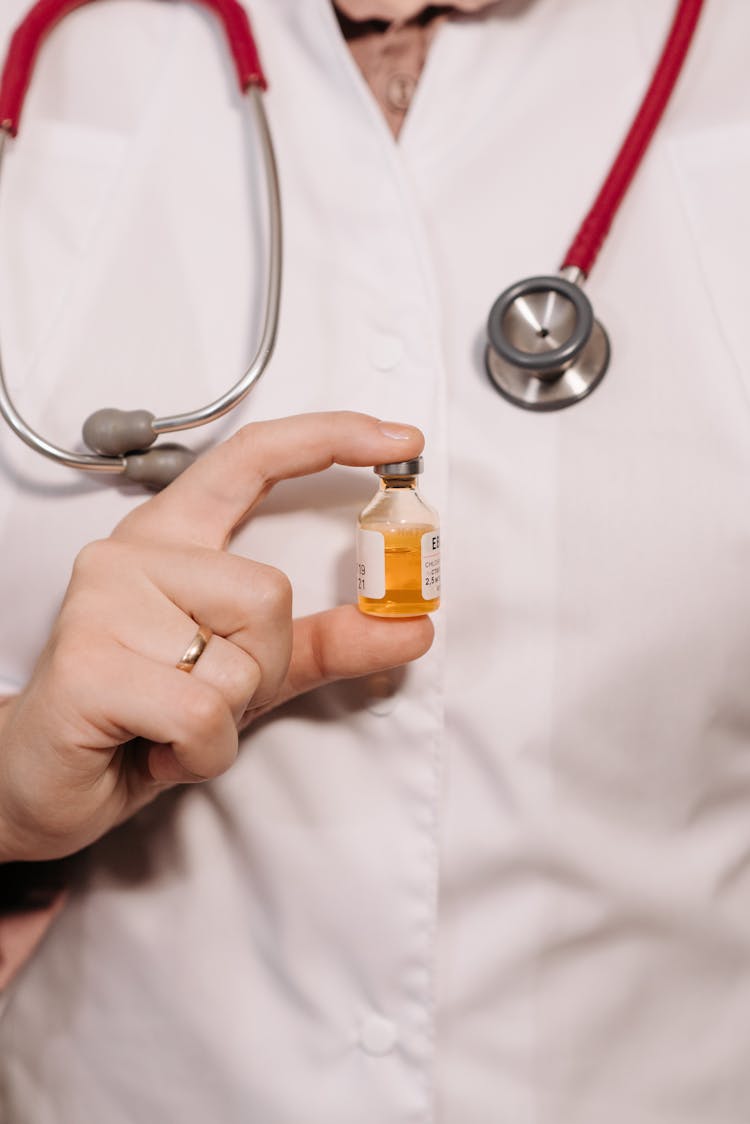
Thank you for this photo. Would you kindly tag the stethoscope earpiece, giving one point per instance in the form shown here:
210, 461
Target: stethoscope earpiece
157, 467
545, 350
112, 433
128, 434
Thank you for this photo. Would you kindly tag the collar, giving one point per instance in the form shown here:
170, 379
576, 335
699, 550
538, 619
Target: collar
399, 10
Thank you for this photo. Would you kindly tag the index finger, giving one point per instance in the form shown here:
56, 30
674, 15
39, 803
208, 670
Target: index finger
218, 491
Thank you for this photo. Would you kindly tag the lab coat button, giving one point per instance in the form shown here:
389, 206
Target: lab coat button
377, 1035
385, 351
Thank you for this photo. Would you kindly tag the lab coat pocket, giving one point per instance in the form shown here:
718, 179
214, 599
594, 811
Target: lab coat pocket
713, 172
57, 180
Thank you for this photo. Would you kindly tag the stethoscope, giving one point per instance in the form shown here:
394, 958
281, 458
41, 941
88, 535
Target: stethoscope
546, 350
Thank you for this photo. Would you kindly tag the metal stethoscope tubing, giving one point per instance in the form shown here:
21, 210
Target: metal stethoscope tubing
121, 440
545, 348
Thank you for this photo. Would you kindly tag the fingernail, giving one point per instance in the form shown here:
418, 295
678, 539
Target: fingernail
395, 431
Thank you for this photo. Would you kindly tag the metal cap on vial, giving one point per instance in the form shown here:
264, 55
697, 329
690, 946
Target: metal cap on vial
400, 468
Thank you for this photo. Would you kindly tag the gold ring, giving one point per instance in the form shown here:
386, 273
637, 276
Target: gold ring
195, 649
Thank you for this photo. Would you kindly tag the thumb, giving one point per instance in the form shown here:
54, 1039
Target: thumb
344, 643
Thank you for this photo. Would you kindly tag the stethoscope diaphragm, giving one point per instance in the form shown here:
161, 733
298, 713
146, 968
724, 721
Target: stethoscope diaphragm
545, 350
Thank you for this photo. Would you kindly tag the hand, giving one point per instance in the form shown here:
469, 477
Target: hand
107, 721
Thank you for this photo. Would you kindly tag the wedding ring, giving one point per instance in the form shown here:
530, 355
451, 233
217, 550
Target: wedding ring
195, 649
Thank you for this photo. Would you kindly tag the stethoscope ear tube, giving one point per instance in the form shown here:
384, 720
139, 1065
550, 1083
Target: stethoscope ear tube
583, 250
34, 28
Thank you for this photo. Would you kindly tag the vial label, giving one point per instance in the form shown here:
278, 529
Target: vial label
431, 565
370, 564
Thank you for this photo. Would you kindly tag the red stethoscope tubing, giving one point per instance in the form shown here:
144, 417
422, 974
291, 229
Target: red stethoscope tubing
31, 32
595, 227
583, 251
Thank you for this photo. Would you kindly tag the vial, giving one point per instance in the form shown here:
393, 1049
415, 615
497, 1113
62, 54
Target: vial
398, 547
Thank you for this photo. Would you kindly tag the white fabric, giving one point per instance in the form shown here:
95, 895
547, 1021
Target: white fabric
511, 883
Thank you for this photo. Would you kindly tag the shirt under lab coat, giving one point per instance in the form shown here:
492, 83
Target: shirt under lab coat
511, 882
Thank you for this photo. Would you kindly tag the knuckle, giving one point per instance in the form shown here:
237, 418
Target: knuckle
203, 711
209, 734
93, 559
244, 437
272, 590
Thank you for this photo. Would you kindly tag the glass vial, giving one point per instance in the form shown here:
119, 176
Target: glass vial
398, 547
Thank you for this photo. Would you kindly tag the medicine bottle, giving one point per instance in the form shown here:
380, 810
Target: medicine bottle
398, 547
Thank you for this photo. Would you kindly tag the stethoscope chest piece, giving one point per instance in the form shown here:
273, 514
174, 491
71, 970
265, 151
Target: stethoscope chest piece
545, 350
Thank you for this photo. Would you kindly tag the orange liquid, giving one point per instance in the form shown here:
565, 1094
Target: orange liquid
403, 576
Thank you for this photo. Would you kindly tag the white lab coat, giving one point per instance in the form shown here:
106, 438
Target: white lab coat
512, 882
